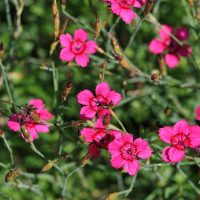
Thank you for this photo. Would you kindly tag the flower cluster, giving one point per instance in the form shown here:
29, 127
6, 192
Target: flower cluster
31, 121
124, 8
78, 48
168, 46
180, 137
124, 150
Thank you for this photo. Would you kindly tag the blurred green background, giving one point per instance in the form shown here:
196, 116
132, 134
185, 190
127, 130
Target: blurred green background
142, 110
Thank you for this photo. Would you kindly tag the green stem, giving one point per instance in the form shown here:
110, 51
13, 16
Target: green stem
118, 120
36, 150
6, 82
9, 150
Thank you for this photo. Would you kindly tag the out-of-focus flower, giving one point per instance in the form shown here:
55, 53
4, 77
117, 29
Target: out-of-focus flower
125, 153
180, 136
78, 48
171, 49
124, 8
197, 113
31, 121
99, 104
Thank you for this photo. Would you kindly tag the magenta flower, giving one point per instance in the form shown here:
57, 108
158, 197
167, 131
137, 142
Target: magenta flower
125, 153
124, 8
180, 136
99, 134
167, 46
197, 113
99, 104
78, 48
31, 121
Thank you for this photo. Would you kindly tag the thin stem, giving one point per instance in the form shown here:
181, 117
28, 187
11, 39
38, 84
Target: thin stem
8, 16
36, 150
118, 120
9, 150
66, 180
137, 27
6, 82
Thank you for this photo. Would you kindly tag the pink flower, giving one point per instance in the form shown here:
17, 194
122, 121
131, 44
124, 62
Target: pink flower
31, 121
99, 134
197, 113
124, 8
180, 136
99, 104
78, 48
166, 45
125, 153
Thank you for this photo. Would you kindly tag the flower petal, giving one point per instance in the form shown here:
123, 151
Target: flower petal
114, 97
41, 128
132, 167
66, 55
166, 133
165, 31
91, 47
127, 15
88, 134
139, 3
185, 50
171, 60
80, 34
175, 155
117, 161
102, 89
182, 33
197, 113
82, 60
143, 149
84, 97
87, 113
156, 46
181, 127
65, 40
13, 124
194, 136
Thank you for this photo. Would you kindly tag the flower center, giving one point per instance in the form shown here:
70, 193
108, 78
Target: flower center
173, 46
78, 47
180, 141
128, 151
125, 4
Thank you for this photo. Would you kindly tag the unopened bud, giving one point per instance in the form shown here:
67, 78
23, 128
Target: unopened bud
1, 51
155, 76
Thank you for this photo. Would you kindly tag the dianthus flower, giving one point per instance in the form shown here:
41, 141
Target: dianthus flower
31, 121
180, 137
99, 104
197, 113
125, 153
98, 137
171, 49
78, 48
124, 8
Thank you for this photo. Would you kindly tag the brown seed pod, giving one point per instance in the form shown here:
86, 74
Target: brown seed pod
67, 91
12, 174
49, 165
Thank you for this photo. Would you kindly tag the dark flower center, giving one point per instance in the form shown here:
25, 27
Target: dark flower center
128, 151
180, 141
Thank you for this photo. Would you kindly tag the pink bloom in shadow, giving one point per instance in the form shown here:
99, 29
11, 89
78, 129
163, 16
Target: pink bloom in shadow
99, 134
31, 120
170, 48
125, 153
197, 113
180, 136
98, 104
98, 137
124, 8
78, 48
